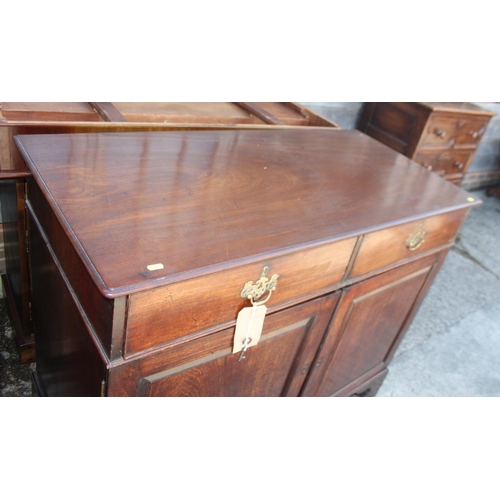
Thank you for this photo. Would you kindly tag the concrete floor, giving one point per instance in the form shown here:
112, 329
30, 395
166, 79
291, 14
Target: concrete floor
15, 379
452, 348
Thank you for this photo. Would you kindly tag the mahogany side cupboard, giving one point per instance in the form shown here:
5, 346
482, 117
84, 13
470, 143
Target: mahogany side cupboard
441, 136
144, 245
83, 117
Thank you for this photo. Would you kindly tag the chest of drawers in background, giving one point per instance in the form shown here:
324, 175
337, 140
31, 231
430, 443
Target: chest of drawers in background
443, 137
142, 243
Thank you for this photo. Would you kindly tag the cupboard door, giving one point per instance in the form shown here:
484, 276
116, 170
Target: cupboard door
276, 366
371, 318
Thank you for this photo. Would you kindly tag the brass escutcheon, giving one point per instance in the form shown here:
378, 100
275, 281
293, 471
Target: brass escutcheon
254, 291
415, 240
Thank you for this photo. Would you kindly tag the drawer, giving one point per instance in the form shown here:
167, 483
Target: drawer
211, 302
389, 246
447, 162
446, 132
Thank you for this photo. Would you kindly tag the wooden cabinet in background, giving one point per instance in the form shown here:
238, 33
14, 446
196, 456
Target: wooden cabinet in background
141, 244
441, 136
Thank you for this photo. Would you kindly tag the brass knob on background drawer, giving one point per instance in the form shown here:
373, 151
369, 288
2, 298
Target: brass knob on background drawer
458, 164
254, 291
415, 240
473, 134
428, 166
440, 132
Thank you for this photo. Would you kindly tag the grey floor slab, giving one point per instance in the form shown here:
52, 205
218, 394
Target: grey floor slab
15, 379
464, 361
461, 288
480, 235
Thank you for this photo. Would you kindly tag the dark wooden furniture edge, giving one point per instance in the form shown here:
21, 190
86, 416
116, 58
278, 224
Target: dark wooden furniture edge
493, 191
13, 174
108, 112
37, 389
314, 119
371, 386
259, 112
25, 343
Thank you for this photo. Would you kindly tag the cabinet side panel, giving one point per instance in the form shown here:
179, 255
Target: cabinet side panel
68, 361
98, 308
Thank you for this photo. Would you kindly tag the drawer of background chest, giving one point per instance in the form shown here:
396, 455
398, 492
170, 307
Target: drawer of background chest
446, 162
383, 248
211, 302
446, 132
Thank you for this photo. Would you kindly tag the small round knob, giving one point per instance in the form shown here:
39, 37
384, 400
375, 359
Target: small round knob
428, 166
440, 132
474, 134
458, 164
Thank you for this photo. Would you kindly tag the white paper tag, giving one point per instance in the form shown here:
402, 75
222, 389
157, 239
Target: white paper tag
249, 325
154, 267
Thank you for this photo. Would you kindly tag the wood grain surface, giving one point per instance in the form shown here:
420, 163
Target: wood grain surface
197, 201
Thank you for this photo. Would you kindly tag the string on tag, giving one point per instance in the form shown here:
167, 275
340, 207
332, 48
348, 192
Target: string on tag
249, 325
248, 339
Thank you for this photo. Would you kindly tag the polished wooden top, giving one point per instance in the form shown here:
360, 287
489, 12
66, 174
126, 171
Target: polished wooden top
199, 201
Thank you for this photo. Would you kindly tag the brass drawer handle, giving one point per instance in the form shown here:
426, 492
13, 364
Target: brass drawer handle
440, 133
475, 134
458, 164
415, 240
254, 291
